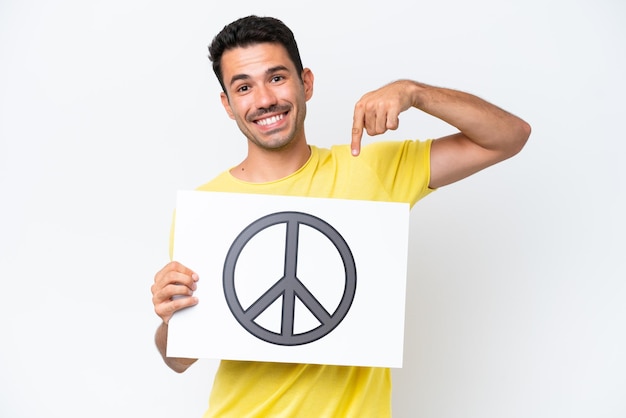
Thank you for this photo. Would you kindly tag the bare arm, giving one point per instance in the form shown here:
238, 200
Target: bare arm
179, 365
487, 134
172, 291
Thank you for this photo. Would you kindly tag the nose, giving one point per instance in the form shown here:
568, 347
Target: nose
264, 97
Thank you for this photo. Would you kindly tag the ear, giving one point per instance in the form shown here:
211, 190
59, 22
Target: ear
226, 105
307, 79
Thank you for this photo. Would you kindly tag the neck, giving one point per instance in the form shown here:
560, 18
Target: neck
262, 166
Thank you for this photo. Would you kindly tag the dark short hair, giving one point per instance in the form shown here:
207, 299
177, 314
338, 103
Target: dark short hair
252, 30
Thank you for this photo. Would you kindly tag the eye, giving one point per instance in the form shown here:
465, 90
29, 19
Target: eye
242, 89
277, 78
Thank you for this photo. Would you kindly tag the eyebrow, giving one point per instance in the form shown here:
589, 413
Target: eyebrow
270, 70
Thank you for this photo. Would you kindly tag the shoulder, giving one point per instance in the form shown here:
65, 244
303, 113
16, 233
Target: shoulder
217, 183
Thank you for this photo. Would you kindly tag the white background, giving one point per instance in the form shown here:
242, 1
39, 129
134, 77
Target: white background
517, 276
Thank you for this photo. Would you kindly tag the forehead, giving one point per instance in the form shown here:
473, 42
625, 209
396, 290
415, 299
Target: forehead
254, 60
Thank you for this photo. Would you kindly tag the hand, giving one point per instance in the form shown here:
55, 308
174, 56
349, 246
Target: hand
378, 110
173, 290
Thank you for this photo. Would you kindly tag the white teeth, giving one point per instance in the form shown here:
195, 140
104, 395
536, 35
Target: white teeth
270, 120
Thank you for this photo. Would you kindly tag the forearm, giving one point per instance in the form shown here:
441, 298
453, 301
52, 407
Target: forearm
179, 365
481, 122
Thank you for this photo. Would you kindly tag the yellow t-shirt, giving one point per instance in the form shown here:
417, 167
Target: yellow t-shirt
384, 171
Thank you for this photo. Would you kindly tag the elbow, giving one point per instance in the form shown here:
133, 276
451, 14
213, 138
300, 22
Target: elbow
179, 365
178, 368
526, 130
520, 137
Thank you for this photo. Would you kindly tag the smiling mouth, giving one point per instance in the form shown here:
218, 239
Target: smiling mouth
270, 120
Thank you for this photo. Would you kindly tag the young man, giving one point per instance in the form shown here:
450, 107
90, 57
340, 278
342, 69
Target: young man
265, 90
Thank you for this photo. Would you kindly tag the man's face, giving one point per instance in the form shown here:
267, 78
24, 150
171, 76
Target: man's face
265, 95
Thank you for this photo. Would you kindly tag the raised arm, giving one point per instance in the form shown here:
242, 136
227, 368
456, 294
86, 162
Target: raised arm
487, 134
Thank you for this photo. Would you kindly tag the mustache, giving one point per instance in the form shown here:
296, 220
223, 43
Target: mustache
264, 111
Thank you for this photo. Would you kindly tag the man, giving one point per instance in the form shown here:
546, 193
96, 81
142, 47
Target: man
265, 90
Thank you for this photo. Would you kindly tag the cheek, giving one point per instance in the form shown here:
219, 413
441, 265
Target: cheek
240, 107
233, 111
236, 107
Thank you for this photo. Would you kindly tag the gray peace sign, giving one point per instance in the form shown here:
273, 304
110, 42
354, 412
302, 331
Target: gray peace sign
289, 286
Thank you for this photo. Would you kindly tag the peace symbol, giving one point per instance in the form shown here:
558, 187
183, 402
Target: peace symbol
289, 287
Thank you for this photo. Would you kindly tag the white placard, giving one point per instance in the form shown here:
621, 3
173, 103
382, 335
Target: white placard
292, 279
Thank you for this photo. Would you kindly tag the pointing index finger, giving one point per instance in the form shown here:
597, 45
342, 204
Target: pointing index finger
357, 130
